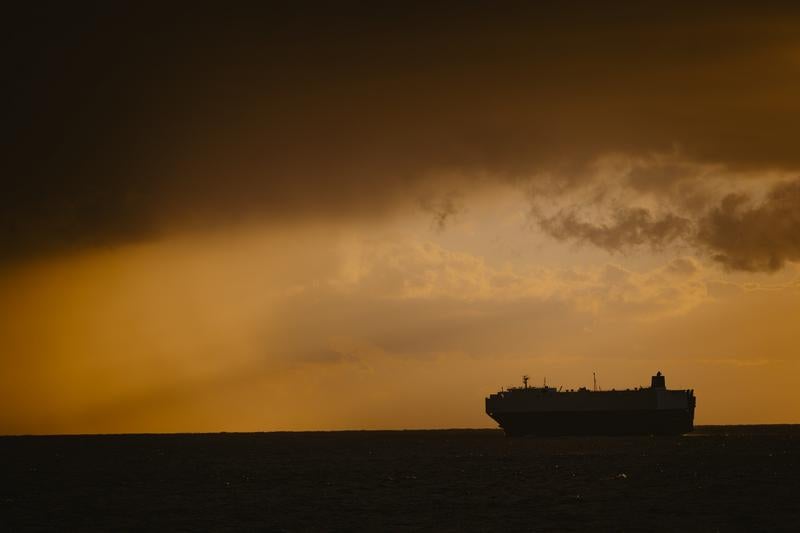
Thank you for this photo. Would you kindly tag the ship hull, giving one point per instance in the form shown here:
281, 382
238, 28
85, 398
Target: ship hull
624, 422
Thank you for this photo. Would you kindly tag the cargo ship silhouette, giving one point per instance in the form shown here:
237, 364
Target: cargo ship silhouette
653, 410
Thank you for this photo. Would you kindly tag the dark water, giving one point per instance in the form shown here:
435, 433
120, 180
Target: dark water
744, 478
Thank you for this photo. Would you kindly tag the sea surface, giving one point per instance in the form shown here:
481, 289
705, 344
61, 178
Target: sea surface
720, 478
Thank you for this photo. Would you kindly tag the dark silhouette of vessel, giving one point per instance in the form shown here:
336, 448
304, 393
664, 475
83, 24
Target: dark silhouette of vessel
548, 411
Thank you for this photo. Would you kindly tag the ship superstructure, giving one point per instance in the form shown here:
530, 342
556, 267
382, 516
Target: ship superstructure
529, 410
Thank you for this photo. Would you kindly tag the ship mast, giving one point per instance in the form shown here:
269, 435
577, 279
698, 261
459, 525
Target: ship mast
594, 377
525, 379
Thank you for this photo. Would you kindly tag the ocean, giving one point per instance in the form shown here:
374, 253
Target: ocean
719, 478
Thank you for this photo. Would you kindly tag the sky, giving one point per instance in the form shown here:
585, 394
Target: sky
318, 217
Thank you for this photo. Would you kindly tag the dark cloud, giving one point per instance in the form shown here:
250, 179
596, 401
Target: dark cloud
442, 208
760, 237
740, 231
121, 121
630, 226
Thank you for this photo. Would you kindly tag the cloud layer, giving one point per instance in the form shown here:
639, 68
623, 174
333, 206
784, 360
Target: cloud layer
758, 236
748, 223
127, 121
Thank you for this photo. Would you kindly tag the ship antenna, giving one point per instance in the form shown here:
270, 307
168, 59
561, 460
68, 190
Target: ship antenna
525, 379
594, 377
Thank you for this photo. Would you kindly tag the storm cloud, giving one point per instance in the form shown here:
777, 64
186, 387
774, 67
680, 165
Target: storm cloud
747, 231
629, 227
760, 237
125, 121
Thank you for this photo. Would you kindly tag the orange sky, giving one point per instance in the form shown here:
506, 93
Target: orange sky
393, 325
286, 218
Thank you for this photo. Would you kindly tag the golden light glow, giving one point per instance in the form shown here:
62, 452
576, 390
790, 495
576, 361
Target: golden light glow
399, 325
